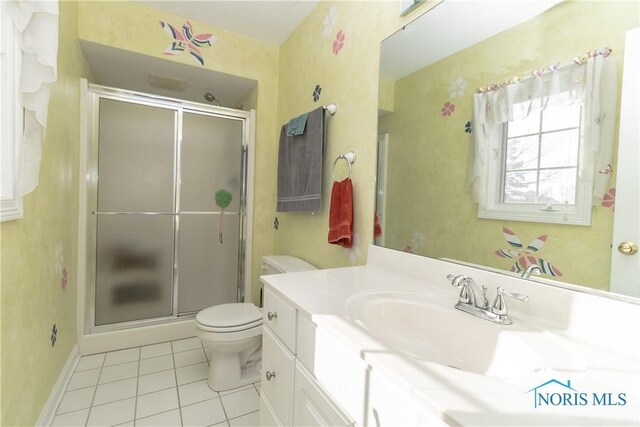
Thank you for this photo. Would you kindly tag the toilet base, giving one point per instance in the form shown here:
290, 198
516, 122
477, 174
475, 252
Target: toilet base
220, 380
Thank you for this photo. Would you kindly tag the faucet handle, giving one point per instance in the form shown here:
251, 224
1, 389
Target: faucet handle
456, 280
499, 305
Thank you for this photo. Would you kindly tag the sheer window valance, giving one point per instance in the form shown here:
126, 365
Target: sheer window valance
592, 84
36, 29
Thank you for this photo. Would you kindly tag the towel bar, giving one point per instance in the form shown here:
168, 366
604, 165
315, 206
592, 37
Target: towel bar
350, 157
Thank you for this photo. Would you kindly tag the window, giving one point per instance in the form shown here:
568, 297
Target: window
533, 174
11, 116
542, 144
540, 158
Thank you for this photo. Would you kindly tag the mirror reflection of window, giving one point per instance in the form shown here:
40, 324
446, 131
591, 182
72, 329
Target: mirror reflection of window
540, 157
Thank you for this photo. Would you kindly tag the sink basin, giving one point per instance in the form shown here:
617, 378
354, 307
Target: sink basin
427, 327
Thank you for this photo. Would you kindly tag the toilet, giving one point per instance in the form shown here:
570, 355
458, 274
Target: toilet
233, 332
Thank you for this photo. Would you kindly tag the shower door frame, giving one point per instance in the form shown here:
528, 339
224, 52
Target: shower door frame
92, 94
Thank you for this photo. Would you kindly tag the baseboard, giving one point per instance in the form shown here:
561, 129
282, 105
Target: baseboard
49, 409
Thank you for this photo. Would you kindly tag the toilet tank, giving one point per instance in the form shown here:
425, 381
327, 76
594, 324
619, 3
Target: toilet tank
276, 264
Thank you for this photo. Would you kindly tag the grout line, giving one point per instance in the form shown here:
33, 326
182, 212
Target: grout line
86, 423
244, 415
175, 375
135, 405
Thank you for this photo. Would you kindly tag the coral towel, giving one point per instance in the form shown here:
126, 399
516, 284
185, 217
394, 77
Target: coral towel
341, 214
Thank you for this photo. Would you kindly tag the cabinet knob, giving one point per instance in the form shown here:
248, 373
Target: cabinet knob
272, 316
270, 375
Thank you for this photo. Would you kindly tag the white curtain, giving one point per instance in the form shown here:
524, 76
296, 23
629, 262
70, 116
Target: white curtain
37, 26
592, 84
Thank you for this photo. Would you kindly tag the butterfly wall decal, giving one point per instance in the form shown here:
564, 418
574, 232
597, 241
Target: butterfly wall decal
185, 40
524, 256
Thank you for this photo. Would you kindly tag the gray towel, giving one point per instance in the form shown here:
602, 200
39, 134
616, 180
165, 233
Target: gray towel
300, 166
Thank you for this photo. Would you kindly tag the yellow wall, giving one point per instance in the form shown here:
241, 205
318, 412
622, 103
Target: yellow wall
32, 296
350, 80
430, 188
133, 27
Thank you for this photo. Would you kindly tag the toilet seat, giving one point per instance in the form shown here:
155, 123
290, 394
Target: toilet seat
233, 317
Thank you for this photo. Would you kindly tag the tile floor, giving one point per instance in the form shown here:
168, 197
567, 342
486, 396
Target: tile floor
157, 385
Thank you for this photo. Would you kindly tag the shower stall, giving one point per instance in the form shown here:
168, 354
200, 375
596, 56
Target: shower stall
166, 208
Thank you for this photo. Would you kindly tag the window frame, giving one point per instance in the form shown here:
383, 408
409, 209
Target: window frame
495, 208
11, 117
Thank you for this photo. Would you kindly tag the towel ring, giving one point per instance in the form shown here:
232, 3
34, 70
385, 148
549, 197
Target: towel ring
350, 157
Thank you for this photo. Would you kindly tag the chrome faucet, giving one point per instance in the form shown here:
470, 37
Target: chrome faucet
473, 300
532, 269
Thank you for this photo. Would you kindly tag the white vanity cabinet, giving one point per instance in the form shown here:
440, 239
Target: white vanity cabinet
290, 396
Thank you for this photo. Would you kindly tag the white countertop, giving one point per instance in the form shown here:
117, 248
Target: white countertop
463, 398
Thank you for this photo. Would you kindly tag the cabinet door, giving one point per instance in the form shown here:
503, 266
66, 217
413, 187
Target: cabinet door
311, 407
277, 376
268, 417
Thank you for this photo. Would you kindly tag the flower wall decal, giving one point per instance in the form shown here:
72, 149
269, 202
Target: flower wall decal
64, 279
609, 199
457, 87
329, 21
448, 108
338, 43
418, 239
468, 127
59, 258
276, 223
525, 256
185, 40
54, 335
316, 93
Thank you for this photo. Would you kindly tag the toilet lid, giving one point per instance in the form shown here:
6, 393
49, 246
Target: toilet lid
230, 316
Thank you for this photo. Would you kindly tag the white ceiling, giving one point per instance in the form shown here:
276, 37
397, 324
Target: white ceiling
444, 31
269, 21
128, 70
265, 20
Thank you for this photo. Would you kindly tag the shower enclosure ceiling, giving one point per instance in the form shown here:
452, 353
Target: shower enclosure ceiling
157, 251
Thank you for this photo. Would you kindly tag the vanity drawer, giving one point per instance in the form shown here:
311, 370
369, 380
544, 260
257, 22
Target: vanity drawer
280, 317
278, 389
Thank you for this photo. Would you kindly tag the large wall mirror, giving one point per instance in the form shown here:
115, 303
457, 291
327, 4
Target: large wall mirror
445, 81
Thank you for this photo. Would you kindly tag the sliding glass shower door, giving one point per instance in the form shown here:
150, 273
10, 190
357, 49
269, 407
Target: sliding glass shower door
165, 244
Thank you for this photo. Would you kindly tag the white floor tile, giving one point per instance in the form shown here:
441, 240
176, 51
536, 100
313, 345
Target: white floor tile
171, 418
248, 420
156, 364
191, 373
157, 381
127, 424
122, 356
90, 362
118, 390
224, 423
83, 379
155, 350
241, 403
118, 372
77, 418
186, 344
203, 413
76, 399
195, 392
189, 357
157, 402
235, 390
112, 413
